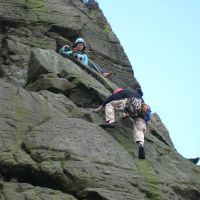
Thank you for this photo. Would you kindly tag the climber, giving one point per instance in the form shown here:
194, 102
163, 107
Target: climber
131, 103
78, 53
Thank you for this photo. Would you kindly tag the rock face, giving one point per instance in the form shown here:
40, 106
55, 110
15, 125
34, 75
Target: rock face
51, 146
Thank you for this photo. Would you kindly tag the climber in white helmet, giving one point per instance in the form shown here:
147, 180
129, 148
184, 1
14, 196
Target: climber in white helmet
78, 53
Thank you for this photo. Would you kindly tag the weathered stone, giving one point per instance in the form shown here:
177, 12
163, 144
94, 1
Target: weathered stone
14, 191
31, 38
98, 41
16, 60
63, 104
15, 75
93, 146
91, 24
51, 83
20, 112
17, 48
42, 11
47, 61
55, 147
159, 130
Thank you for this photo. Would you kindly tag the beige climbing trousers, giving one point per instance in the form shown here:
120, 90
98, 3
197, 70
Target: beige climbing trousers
139, 125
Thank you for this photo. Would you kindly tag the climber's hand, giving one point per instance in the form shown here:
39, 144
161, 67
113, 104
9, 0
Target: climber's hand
99, 109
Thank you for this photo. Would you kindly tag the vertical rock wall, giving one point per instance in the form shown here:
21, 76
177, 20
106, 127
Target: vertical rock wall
51, 145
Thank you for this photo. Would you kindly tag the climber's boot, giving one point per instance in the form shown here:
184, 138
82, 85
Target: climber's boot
141, 153
107, 125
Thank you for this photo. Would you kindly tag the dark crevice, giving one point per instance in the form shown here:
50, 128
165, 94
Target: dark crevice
68, 33
92, 195
187, 193
5, 53
5, 24
150, 141
2, 28
84, 97
2, 57
27, 174
56, 91
159, 137
11, 125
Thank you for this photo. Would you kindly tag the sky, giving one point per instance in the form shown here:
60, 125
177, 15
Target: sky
162, 41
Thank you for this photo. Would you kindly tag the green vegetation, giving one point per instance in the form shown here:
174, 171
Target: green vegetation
35, 4
106, 28
151, 187
124, 142
36, 8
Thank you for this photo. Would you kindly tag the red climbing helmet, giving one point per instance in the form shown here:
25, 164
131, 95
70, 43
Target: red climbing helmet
117, 90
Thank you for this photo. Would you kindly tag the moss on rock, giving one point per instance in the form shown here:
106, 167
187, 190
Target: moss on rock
151, 187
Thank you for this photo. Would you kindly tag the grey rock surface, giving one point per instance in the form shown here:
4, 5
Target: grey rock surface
52, 146
23, 191
35, 23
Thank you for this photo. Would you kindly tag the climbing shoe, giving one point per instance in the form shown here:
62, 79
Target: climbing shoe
107, 125
141, 153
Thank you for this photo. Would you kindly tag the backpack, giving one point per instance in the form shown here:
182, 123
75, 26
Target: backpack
146, 112
136, 108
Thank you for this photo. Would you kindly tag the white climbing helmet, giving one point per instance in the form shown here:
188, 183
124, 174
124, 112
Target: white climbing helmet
79, 40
